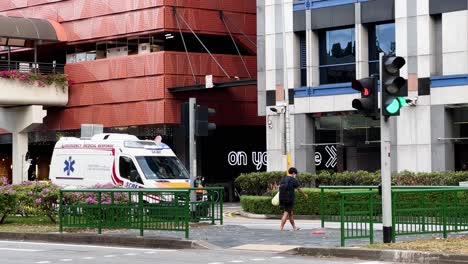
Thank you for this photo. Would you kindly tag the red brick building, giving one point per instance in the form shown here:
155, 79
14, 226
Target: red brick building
125, 56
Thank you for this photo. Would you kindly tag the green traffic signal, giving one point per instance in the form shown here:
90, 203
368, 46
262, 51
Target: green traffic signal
395, 105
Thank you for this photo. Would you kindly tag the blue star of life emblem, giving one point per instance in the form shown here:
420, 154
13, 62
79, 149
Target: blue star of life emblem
69, 166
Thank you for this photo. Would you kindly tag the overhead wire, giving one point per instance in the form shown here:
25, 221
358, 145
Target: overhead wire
221, 15
201, 42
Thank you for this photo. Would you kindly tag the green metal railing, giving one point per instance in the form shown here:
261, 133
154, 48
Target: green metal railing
415, 212
142, 209
329, 209
357, 215
208, 205
426, 210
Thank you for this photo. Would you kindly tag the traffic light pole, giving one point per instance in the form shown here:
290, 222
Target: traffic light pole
386, 169
192, 147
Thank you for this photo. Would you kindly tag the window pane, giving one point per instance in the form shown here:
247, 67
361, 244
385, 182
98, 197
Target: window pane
373, 67
337, 74
381, 39
338, 47
385, 38
303, 77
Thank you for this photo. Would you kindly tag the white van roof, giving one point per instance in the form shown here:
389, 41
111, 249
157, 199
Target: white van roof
125, 142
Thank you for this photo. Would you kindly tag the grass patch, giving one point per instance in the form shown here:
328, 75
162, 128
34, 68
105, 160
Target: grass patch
450, 245
33, 224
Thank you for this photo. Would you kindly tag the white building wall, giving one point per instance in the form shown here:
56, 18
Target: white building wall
455, 42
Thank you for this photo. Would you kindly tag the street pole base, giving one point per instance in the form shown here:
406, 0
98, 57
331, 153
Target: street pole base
387, 234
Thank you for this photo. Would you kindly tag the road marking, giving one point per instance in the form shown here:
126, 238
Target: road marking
236, 261
130, 254
21, 249
81, 246
215, 263
66, 260
43, 262
258, 259
262, 247
110, 256
87, 258
277, 257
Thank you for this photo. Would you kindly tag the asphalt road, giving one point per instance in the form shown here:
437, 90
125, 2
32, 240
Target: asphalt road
12, 252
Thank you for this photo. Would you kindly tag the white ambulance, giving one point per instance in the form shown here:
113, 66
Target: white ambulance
120, 159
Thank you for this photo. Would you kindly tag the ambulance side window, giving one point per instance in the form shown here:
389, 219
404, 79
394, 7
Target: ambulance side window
128, 170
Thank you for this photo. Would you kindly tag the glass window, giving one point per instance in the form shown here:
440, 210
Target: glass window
158, 167
128, 170
381, 39
303, 58
337, 56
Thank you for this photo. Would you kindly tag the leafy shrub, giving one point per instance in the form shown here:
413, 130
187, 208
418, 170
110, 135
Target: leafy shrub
8, 199
260, 183
311, 205
37, 198
84, 197
302, 206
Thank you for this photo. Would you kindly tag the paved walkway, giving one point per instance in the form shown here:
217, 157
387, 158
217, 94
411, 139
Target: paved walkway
255, 233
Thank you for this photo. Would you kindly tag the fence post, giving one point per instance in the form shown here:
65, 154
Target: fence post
371, 217
444, 213
221, 201
211, 192
100, 213
394, 209
423, 206
322, 200
342, 214
187, 213
60, 211
140, 211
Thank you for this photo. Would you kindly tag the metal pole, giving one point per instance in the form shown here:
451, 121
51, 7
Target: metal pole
35, 56
192, 147
386, 170
286, 92
9, 57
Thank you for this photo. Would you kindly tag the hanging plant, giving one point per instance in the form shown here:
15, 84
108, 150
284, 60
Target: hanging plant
59, 79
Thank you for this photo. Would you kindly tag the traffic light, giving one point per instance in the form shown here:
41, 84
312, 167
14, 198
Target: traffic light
368, 103
202, 126
394, 87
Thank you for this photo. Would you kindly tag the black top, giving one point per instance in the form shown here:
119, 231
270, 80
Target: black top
293, 184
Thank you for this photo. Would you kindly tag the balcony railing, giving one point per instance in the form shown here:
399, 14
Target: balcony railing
39, 67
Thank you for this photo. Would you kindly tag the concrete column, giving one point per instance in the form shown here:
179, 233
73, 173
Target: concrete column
413, 40
362, 51
313, 62
362, 46
275, 135
304, 135
19, 121
20, 165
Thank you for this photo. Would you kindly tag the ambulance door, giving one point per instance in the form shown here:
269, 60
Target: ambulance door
129, 172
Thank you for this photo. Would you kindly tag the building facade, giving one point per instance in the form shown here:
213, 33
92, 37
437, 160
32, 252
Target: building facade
328, 44
132, 64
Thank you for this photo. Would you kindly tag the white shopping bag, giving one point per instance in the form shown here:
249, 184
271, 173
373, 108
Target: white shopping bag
275, 200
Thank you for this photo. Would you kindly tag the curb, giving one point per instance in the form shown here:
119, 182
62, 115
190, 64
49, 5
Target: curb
401, 256
268, 216
108, 240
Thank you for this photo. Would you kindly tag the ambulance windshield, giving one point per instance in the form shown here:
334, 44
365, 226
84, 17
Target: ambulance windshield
155, 167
